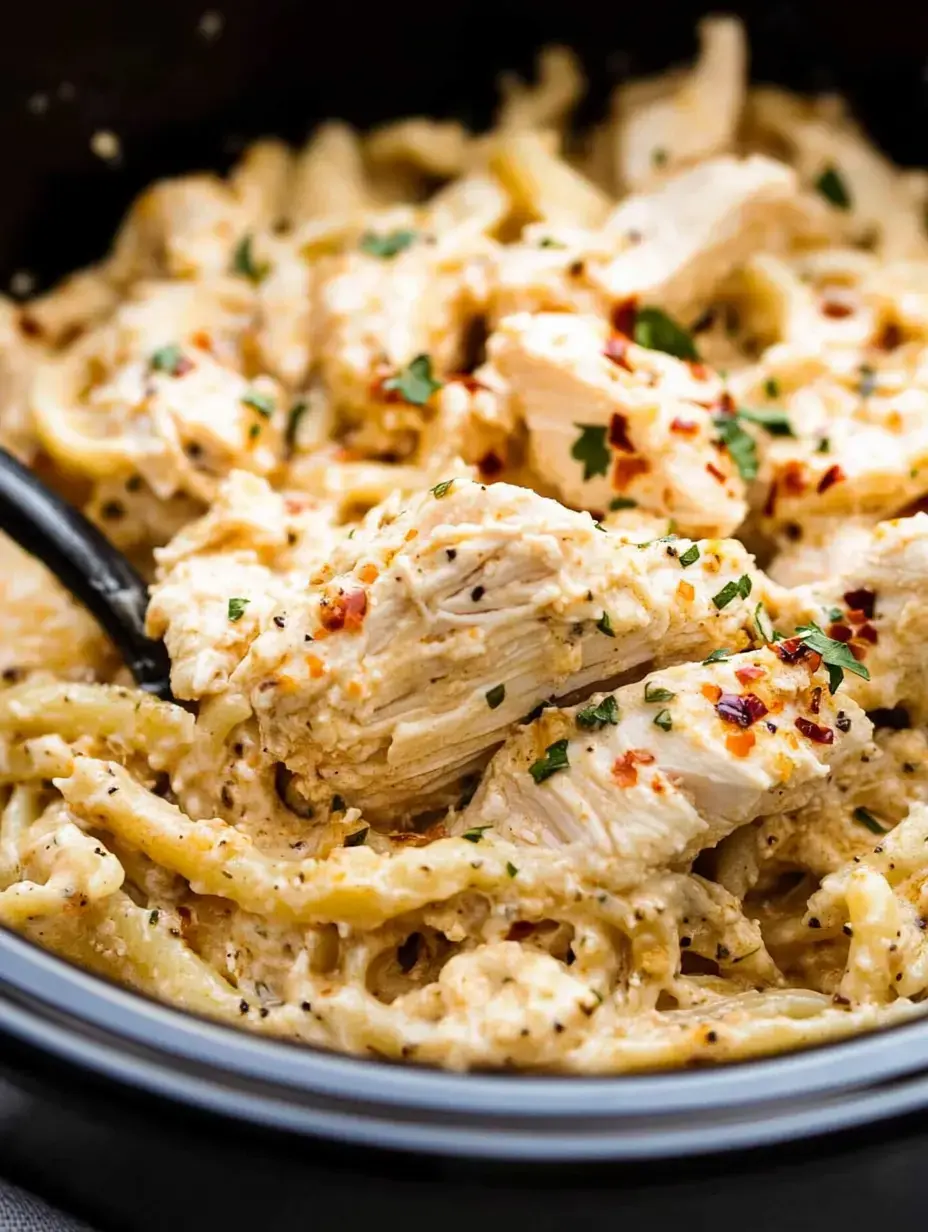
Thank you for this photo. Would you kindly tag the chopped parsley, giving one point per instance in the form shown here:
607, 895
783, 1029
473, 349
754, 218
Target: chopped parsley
593, 717
836, 656
441, 489
475, 834
169, 359
718, 656
511, 869
664, 720
262, 403
834, 614
657, 331
733, 590
297, 411
415, 382
154, 916
590, 448
548, 241
866, 818
244, 263
622, 502
833, 188
690, 556
604, 625
659, 156
774, 421
740, 445
555, 759
338, 804
496, 696
824, 445
358, 838
772, 387
254, 431
237, 608
763, 624
386, 246
655, 693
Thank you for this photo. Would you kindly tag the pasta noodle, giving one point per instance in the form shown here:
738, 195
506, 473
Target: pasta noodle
536, 529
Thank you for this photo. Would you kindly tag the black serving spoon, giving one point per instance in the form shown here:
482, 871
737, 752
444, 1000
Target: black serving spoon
86, 563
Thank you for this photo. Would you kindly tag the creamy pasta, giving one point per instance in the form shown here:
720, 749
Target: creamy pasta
541, 562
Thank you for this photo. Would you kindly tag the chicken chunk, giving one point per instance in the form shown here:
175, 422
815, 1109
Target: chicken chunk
396, 679
608, 419
666, 767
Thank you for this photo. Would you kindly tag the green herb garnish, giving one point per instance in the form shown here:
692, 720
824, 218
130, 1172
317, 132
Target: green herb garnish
622, 502
833, 188
511, 869
664, 720
441, 489
593, 717
740, 445
590, 449
718, 656
763, 623
690, 556
495, 696
604, 625
297, 411
659, 156
415, 382
836, 656
655, 693
169, 359
386, 246
733, 590
774, 421
475, 833
555, 759
866, 818
824, 445
262, 403
237, 608
244, 263
772, 387
657, 331
548, 241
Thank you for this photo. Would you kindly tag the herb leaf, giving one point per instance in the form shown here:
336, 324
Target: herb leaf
555, 759
593, 717
604, 625
772, 387
833, 188
590, 449
774, 421
654, 693
733, 590
386, 246
297, 411
237, 607
622, 502
415, 382
866, 818
244, 263
836, 656
690, 556
763, 624
664, 720
169, 359
511, 869
475, 834
718, 655
548, 241
262, 403
657, 331
740, 445
441, 489
496, 696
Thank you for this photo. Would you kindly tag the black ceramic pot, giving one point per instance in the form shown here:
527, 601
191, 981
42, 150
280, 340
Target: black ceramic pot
141, 1117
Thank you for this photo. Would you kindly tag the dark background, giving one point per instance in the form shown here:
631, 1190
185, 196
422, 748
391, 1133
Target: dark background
178, 101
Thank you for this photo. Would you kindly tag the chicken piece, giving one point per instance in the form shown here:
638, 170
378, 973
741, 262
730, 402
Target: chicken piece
373, 316
879, 606
696, 120
671, 765
609, 419
459, 615
820, 548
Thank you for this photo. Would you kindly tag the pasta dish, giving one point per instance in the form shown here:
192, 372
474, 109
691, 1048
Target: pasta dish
534, 523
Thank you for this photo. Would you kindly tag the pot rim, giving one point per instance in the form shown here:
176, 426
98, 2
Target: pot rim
140, 1043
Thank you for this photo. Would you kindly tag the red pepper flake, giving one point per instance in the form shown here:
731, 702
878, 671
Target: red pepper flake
840, 633
869, 634
791, 650
726, 404
520, 930
794, 479
747, 674
624, 768
624, 315
715, 472
890, 337
470, 382
862, 601
857, 649
699, 370
489, 465
616, 349
837, 309
833, 475
770, 504
345, 611
741, 710
618, 434
812, 731
686, 427
627, 469
202, 339
815, 703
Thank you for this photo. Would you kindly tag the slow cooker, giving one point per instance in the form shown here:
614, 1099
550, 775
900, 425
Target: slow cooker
134, 1115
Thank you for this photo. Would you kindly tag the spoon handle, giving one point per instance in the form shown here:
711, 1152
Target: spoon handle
87, 564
